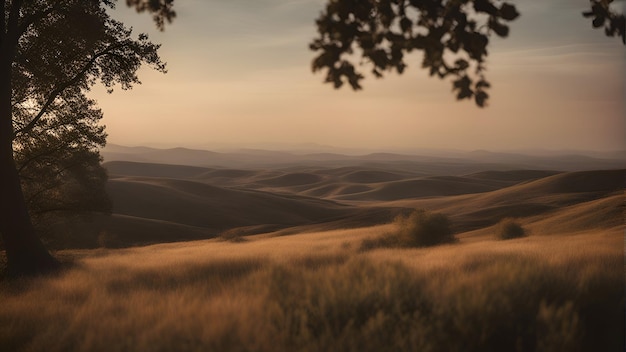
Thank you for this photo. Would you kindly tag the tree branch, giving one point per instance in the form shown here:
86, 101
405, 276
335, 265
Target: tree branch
29, 20
57, 91
47, 151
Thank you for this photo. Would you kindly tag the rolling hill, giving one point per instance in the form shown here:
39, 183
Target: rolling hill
161, 203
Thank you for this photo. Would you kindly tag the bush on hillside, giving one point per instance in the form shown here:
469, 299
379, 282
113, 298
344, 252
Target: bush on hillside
508, 229
418, 229
422, 228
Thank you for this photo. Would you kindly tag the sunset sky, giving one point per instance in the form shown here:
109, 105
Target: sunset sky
239, 76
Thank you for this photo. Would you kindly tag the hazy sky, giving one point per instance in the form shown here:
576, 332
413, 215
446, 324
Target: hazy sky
239, 75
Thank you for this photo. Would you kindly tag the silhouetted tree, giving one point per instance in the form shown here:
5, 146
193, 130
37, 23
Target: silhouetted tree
452, 34
59, 166
51, 52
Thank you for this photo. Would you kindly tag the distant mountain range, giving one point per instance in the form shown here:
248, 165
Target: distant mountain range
464, 162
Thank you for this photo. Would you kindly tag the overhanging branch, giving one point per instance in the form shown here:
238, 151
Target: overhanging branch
57, 91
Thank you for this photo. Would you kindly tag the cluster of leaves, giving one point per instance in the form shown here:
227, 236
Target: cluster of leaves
162, 10
453, 35
64, 48
614, 24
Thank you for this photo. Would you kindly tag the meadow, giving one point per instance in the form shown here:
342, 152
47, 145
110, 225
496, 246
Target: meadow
319, 292
306, 257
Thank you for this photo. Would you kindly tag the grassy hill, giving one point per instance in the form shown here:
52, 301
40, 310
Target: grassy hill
156, 203
315, 291
272, 259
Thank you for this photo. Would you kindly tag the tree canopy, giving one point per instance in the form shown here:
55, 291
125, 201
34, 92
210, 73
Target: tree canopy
452, 34
60, 169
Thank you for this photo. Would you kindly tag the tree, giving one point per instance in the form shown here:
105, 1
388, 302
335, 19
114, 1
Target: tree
60, 169
51, 53
453, 35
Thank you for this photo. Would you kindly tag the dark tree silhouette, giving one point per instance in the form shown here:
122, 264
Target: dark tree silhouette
452, 34
59, 166
603, 17
162, 10
51, 52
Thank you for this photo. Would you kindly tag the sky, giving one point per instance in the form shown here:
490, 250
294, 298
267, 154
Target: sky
239, 76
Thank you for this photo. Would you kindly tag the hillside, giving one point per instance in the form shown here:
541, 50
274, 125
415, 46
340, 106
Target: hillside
161, 203
258, 249
218, 208
541, 198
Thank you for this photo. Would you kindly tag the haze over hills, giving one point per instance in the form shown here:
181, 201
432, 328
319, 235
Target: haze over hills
181, 194
434, 161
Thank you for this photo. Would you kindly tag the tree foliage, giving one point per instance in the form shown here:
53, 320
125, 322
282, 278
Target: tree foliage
603, 17
73, 46
60, 169
453, 36
162, 10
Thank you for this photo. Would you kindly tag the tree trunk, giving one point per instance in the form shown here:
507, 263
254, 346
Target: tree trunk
26, 255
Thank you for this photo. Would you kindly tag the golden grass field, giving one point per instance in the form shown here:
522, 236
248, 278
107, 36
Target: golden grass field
318, 292
275, 260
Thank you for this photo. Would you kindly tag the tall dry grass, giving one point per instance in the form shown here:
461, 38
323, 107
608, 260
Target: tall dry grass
316, 292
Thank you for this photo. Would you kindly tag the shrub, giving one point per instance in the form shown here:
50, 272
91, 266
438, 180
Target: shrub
508, 229
422, 228
418, 229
